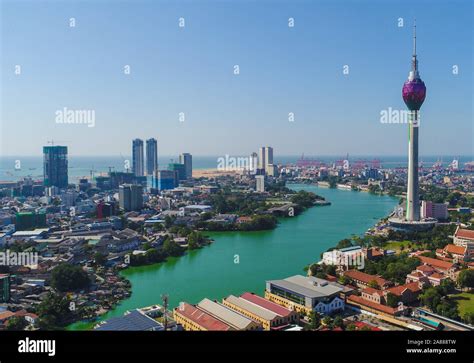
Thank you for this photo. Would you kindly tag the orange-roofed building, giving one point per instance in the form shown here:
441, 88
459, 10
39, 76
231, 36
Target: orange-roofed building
194, 319
362, 280
464, 238
457, 253
407, 293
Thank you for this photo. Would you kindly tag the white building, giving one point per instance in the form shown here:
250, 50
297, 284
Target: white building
345, 258
260, 186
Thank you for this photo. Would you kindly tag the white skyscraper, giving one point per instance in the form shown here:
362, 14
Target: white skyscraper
138, 158
260, 186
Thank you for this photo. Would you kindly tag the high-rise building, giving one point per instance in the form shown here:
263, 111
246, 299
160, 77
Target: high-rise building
179, 168
55, 166
261, 158
253, 162
151, 156
167, 179
131, 197
187, 160
434, 210
138, 162
413, 93
260, 183
265, 158
268, 156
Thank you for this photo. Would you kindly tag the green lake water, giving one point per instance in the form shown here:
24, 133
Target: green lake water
296, 242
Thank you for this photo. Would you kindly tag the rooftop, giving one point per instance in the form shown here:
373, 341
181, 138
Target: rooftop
309, 286
266, 304
224, 313
251, 307
365, 278
133, 321
201, 318
464, 233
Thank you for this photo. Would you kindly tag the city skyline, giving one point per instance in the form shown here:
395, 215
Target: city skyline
191, 70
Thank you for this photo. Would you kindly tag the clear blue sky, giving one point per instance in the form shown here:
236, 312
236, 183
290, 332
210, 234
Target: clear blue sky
190, 70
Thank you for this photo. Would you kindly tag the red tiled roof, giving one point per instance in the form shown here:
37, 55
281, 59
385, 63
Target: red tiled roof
6, 314
443, 265
398, 290
425, 268
453, 249
464, 233
365, 278
376, 252
360, 324
371, 304
436, 275
413, 286
331, 278
201, 318
264, 303
371, 291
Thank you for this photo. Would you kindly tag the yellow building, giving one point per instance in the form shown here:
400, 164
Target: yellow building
194, 319
267, 318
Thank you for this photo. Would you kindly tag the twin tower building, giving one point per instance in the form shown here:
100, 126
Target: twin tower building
142, 166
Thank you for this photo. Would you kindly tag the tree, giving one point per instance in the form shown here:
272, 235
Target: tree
338, 322
154, 255
344, 280
374, 284
314, 321
66, 277
351, 327
16, 323
392, 300
468, 318
171, 248
168, 221
100, 259
54, 312
466, 279
195, 240
327, 320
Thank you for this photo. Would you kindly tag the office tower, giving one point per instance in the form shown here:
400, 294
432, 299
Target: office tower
271, 170
261, 158
260, 183
268, 156
131, 197
414, 93
179, 168
55, 166
253, 162
167, 179
151, 157
138, 162
187, 160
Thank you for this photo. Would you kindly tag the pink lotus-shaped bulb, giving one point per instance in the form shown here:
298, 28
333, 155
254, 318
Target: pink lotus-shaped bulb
414, 93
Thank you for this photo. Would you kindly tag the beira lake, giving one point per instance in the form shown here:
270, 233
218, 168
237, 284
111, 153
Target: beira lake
212, 271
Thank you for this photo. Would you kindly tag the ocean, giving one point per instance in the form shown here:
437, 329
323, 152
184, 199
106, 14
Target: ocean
15, 168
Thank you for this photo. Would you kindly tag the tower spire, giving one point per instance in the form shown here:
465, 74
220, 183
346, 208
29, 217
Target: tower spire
414, 62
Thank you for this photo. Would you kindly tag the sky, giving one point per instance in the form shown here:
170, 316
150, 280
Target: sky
190, 71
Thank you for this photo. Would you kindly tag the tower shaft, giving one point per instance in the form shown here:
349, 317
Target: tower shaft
413, 199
